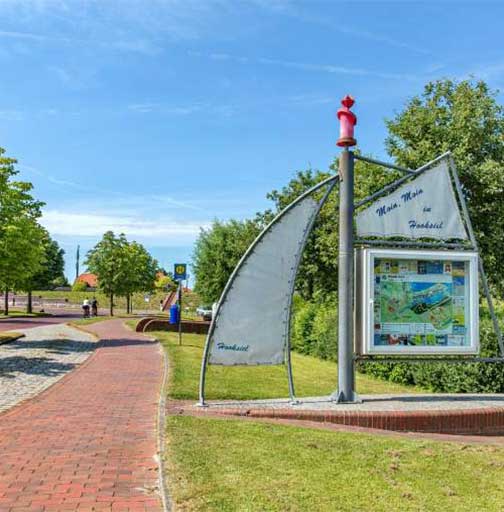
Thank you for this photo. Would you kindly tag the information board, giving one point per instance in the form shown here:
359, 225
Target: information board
422, 302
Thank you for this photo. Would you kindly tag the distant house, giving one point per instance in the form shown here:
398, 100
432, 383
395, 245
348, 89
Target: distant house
90, 279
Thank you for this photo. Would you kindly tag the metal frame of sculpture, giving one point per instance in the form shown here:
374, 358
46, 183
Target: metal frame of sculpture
346, 355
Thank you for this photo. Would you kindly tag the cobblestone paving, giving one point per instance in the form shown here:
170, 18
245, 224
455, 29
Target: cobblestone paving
430, 402
33, 363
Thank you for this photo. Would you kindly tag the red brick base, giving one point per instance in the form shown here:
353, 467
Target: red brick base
488, 421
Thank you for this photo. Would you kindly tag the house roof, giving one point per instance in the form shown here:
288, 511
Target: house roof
90, 279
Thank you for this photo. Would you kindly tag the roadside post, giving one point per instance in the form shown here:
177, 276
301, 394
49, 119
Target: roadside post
346, 367
180, 275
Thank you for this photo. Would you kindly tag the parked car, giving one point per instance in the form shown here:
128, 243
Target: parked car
205, 312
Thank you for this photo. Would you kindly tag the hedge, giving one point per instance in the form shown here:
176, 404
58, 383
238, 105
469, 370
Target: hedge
314, 332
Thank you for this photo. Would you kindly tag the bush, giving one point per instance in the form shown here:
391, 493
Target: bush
79, 286
314, 332
449, 377
315, 328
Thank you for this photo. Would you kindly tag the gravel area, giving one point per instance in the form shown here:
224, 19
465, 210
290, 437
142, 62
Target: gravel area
35, 362
376, 403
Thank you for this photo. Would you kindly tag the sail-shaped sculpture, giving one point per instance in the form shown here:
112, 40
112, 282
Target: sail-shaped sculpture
252, 322
423, 207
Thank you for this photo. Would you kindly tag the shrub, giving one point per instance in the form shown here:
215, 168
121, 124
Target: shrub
314, 328
79, 286
449, 377
314, 332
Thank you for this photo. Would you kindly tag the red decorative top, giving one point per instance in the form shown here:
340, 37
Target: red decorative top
347, 122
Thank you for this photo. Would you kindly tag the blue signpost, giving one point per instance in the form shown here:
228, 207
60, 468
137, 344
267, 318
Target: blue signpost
180, 274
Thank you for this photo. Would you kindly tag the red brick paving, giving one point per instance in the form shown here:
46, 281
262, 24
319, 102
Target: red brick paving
89, 442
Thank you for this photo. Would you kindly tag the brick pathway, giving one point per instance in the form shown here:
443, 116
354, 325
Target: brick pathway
89, 442
35, 362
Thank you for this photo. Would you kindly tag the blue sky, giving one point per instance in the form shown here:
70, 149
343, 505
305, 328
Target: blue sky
155, 117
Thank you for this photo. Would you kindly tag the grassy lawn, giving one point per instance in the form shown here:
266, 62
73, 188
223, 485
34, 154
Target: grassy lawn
312, 377
232, 465
22, 314
5, 337
190, 300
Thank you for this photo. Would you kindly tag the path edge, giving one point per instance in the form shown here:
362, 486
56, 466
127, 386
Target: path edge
27, 402
163, 487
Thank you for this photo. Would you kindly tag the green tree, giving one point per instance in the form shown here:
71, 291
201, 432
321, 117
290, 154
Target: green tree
139, 272
318, 274
50, 271
216, 253
464, 118
108, 261
20, 234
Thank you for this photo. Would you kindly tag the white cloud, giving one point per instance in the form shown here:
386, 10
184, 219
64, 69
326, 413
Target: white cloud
161, 231
305, 66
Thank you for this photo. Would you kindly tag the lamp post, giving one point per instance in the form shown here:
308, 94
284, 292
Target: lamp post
346, 371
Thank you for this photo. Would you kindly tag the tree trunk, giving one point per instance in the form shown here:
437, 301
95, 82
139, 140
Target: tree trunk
127, 303
111, 304
29, 303
130, 305
6, 302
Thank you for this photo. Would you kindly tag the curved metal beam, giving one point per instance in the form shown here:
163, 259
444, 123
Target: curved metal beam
249, 251
299, 258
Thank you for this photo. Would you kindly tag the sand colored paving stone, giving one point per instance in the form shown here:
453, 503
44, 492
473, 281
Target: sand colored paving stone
90, 441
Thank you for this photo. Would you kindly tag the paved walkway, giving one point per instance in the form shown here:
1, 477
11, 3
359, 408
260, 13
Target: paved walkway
36, 361
90, 441
19, 324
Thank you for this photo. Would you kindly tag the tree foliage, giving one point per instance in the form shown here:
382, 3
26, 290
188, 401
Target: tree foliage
52, 271
122, 267
216, 253
21, 250
466, 119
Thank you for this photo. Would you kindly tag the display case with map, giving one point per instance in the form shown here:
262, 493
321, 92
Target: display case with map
416, 302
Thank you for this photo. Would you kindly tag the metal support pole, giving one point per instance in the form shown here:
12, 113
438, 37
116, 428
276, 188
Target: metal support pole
472, 237
346, 368
180, 313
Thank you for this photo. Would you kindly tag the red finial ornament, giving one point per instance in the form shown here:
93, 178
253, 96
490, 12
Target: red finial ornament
347, 122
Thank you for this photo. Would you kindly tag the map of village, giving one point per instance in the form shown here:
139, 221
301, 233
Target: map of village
419, 302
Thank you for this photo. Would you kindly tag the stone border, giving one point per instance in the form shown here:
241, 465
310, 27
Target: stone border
163, 488
488, 421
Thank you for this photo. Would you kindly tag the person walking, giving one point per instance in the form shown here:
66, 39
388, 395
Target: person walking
85, 308
94, 307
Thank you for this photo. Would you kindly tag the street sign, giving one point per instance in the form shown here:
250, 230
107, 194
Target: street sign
180, 271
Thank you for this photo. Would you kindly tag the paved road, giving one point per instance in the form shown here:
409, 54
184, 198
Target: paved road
18, 324
90, 441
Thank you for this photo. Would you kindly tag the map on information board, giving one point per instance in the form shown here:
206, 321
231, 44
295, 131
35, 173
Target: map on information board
420, 303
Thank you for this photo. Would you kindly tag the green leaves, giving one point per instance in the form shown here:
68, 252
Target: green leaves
217, 252
21, 237
122, 267
465, 119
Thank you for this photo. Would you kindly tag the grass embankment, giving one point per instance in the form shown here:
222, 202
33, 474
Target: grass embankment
6, 337
22, 314
312, 376
190, 300
229, 465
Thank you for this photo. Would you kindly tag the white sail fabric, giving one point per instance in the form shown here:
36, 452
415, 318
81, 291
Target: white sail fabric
424, 207
251, 324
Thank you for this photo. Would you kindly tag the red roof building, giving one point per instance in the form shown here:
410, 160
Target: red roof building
90, 279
